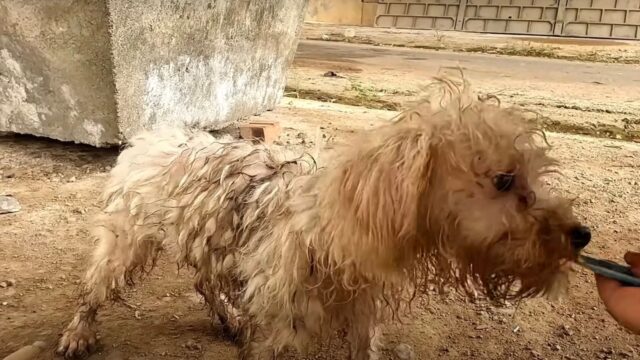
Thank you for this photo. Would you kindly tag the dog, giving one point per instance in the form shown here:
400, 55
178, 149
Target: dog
450, 194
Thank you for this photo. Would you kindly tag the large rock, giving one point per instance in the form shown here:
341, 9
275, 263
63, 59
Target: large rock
99, 71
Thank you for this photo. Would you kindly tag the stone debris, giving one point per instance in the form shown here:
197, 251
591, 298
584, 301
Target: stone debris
9, 204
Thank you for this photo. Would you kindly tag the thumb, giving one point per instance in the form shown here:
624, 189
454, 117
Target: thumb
606, 288
633, 259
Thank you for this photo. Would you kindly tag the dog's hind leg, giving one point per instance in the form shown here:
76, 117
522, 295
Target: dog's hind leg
114, 260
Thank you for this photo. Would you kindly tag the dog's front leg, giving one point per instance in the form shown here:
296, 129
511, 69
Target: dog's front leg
79, 338
231, 318
113, 260
365, 341
256, 345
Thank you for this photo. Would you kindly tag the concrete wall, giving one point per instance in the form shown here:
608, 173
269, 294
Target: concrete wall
56, 71
99, 71
342, 12
203, 63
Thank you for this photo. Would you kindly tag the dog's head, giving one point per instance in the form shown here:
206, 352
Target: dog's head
453, 193
486, 201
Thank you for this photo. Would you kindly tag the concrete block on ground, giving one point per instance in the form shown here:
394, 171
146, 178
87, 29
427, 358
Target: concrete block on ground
56, 74
262, 131
99, 71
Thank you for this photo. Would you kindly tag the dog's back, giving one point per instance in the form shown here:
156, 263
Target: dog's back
185, 191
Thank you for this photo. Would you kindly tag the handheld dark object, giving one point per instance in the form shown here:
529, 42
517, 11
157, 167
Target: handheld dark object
610, 269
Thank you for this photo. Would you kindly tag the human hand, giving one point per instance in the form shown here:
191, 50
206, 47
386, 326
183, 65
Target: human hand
622, 302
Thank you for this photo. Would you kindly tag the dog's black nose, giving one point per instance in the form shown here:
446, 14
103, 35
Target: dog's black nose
580, 237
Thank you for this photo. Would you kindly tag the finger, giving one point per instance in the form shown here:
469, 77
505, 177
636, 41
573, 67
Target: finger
620, 301
607, 289
606, 286
633, 259
623, 307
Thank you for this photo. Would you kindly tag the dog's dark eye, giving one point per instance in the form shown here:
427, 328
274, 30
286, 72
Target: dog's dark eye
503, 182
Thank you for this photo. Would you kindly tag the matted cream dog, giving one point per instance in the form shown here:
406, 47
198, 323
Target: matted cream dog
448, 194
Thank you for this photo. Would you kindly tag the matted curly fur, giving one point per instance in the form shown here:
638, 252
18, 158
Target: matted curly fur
448, 194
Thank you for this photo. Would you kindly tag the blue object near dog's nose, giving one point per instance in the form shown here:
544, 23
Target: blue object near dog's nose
610, 269
580, 237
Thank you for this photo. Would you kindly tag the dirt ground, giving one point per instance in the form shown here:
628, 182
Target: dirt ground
44, 249
578, 97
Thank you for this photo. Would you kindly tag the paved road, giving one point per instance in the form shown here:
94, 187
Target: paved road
426, 62
576, 92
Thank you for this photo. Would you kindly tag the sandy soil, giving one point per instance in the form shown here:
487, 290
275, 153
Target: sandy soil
45, 246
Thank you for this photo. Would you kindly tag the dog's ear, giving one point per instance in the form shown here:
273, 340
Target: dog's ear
377, 193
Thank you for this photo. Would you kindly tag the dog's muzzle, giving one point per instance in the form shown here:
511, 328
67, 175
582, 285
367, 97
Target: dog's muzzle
580, 237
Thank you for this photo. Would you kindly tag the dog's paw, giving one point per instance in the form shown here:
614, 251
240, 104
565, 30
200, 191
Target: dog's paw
77, 342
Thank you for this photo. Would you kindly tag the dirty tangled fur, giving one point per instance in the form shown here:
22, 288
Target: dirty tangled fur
285, 253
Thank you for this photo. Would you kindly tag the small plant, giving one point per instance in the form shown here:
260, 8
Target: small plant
440, 39
363, 92
373, 93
